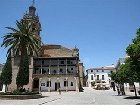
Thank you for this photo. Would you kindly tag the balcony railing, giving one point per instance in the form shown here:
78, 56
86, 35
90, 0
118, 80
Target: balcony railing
55, 75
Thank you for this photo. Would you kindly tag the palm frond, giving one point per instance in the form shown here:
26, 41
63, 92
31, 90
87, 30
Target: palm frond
12, 29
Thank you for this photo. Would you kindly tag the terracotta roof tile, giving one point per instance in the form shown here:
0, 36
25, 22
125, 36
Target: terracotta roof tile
58, 51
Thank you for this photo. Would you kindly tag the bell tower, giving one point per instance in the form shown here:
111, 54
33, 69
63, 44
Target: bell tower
36, 28
32, 9
34, 19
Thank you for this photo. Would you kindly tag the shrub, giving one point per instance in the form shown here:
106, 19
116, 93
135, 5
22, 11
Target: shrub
93, 83
19, 92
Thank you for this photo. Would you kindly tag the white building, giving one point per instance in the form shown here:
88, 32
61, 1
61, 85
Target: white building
101, 76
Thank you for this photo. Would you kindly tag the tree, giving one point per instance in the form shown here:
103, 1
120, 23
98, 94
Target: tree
21, 41
133, 51
130, 71
25, 79
120, 78
6, 75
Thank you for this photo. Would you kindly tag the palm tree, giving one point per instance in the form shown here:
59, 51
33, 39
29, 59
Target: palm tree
22, 42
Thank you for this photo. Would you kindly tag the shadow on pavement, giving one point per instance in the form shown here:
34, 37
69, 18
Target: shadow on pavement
133, 97
44, 96
123, 95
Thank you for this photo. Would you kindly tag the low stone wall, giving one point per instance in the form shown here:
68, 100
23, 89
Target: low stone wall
20, 97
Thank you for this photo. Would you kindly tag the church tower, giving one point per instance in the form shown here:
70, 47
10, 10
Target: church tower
36, 28
34, 19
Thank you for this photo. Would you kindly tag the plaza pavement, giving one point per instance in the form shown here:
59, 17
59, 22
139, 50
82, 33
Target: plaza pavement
88, 97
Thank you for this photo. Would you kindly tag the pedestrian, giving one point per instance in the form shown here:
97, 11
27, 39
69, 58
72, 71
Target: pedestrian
122, 89
118, 90
114, 87
59, 90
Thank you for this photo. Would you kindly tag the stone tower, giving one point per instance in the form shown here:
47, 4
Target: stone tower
34, 19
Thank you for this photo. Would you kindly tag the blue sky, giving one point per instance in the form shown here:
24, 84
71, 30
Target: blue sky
101, 29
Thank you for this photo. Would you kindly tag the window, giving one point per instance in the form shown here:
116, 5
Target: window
61, 70
71, 84
98, 82
37, 70
65, 83
91, 77
91, 70
68, 71
62, 62
103, 77
42, 62
54, 71
42, 84
48, 83
71, 68
97, 77
68, 62
43, 71
102, 70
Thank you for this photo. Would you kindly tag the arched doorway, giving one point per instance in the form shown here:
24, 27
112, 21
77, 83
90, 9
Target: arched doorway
57, 85
36, 84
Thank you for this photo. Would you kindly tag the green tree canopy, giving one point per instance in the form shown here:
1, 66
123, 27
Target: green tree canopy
6, 75
133, 51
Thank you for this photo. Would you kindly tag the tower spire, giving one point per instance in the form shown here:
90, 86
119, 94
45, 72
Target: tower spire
32, 9
33, 3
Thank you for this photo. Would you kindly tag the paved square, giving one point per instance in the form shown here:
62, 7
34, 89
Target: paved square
88, 97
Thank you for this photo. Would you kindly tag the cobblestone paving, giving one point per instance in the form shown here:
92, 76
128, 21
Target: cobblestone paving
88, 97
